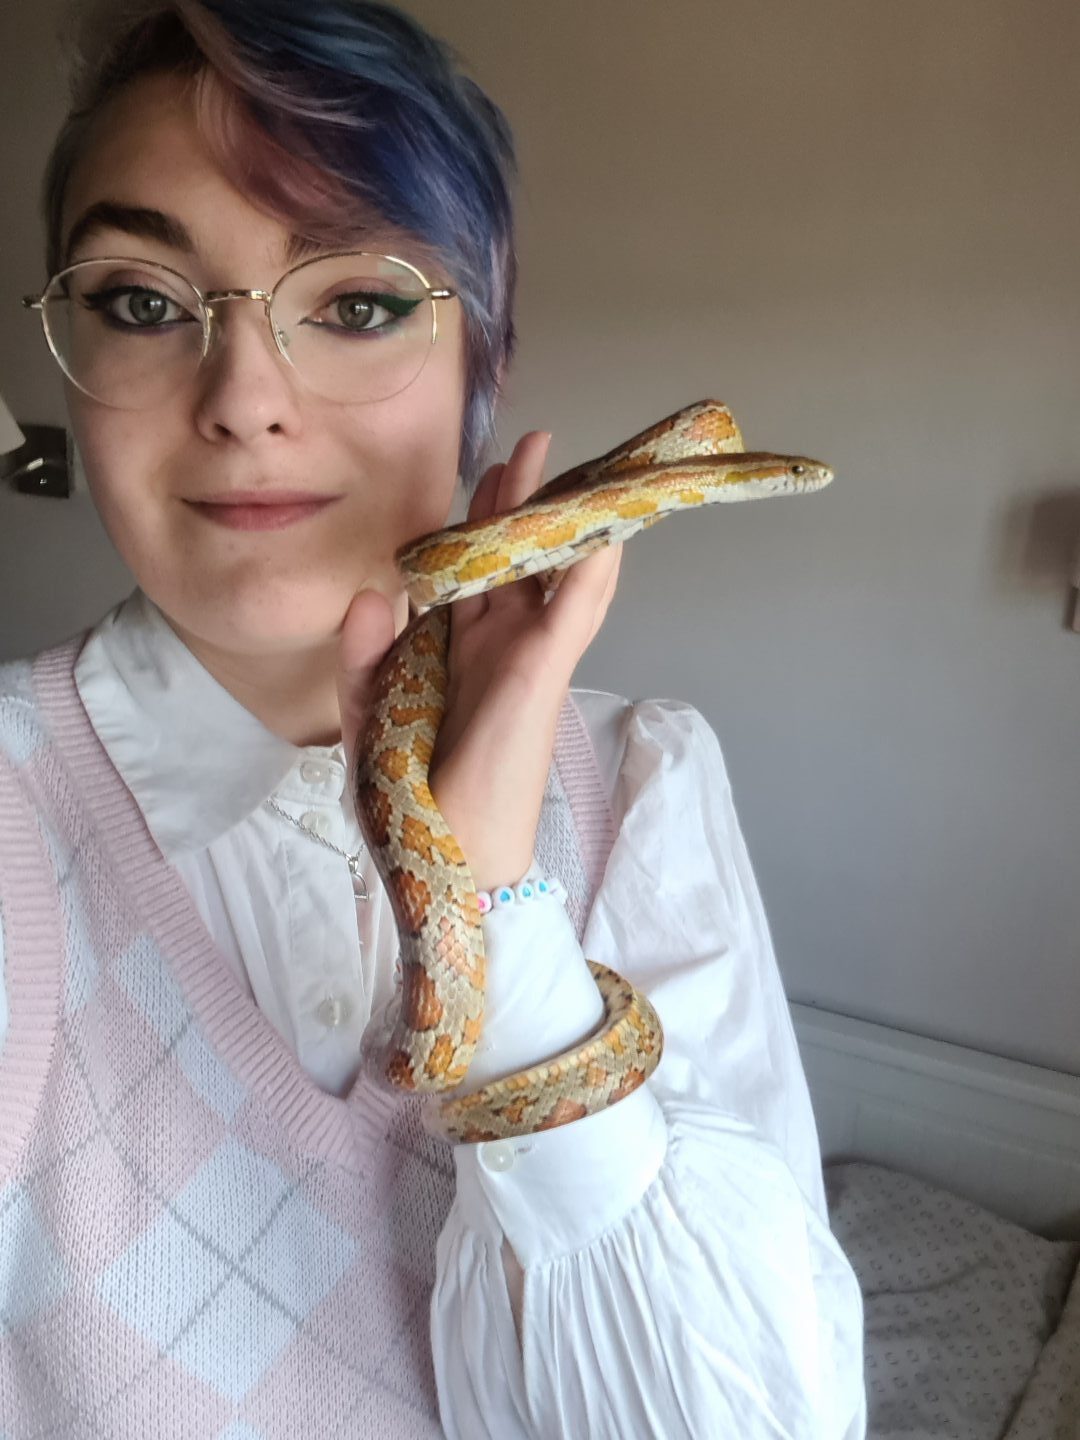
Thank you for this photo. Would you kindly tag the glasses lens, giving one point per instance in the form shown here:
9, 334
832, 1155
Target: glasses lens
125, 332
355, 327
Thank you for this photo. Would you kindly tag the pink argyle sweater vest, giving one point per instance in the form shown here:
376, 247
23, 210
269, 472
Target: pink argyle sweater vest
195, 1241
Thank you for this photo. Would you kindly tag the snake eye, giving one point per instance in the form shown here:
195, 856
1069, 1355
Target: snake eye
798, 469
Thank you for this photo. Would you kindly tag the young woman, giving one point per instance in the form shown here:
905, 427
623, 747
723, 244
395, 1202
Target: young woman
281, 259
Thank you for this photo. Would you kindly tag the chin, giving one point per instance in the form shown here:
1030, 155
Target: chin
263, 620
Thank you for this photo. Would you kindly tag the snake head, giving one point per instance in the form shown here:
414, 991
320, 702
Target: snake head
805, 474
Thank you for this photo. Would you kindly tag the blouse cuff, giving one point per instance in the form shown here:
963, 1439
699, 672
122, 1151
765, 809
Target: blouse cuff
540, 997
560, 1190
556, 1191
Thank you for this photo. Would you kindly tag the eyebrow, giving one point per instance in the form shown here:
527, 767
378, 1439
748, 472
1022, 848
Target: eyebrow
133, 220
149, 224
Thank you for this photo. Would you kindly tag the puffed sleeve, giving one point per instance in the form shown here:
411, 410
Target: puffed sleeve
679, 1275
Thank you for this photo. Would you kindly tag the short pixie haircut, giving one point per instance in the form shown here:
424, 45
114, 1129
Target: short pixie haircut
325, 113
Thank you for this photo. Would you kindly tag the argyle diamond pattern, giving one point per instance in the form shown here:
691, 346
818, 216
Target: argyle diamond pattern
226, 1275
143, 973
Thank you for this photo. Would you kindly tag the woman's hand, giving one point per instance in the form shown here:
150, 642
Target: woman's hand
511, 661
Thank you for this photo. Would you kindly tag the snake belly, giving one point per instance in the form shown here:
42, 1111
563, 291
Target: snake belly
693, 458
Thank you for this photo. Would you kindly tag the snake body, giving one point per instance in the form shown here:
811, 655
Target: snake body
692, 458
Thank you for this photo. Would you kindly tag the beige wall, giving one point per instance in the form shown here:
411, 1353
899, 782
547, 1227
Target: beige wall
858, 224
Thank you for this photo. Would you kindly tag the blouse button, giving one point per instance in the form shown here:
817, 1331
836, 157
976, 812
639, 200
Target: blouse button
316, 822
498, 1156
333, 1011
312, 772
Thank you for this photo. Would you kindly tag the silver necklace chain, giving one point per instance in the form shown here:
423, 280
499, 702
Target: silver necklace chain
360, 889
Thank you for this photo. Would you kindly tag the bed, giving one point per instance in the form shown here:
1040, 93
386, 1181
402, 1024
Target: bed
953, 1181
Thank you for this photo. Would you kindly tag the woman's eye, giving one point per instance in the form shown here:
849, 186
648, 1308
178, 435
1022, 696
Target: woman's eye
359, 311
135, 307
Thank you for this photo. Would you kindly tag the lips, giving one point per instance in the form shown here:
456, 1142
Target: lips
261, 509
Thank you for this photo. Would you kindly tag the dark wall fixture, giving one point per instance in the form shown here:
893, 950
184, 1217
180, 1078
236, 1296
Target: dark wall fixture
40, 466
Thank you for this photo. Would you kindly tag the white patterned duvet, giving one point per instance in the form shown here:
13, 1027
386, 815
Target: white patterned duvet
972, 1322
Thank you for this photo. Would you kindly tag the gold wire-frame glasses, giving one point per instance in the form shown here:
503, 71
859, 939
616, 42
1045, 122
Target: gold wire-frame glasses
359, 374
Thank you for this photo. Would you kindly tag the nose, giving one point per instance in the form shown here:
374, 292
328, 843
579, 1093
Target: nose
247, 388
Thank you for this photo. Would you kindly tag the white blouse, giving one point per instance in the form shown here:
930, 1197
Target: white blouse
680, 1278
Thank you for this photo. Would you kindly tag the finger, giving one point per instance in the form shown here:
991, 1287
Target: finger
482, 504
513, 483
524, 471
577, 609
481, 507
522, 475
366, 635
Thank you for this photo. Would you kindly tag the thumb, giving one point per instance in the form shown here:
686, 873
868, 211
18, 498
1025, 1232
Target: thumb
366, 635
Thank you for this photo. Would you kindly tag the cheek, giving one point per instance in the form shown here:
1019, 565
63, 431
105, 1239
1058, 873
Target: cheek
125, 460
424, 467
113, 447
419, 437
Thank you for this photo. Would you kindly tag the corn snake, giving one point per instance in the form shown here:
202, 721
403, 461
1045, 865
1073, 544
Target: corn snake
694, 457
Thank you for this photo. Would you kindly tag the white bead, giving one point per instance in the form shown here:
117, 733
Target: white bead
533, 887
497, 1156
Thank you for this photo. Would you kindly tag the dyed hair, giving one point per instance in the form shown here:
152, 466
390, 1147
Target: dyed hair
325, 114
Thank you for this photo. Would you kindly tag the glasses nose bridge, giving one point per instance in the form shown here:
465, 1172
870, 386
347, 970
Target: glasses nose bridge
211, 298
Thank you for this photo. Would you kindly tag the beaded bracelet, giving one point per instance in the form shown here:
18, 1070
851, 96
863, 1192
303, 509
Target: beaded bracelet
533, 887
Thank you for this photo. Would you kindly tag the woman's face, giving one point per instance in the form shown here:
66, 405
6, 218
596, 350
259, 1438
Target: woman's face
246, 422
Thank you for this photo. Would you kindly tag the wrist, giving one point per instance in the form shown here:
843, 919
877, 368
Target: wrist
493, 874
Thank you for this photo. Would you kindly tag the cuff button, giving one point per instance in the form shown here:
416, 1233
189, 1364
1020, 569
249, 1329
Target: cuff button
497, 1156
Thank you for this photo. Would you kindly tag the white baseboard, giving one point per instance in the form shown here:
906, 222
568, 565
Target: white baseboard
1001, 1133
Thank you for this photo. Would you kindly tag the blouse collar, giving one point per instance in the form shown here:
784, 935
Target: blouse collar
196, 761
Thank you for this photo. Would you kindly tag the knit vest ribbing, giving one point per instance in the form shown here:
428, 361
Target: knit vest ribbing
194, 1239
